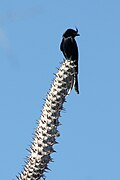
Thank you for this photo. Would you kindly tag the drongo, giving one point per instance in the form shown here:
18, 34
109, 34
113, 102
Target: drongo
70, 50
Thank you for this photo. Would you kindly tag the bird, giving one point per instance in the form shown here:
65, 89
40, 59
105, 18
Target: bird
69, 49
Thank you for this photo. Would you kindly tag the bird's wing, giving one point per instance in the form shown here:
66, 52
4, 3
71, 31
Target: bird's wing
67, 47
61, 45
70, 48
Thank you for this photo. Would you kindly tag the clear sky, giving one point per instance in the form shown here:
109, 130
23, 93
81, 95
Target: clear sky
30, 35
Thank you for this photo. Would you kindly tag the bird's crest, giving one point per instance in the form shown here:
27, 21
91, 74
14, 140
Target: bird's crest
76, 29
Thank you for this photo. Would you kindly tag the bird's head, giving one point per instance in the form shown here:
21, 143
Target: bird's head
71, 33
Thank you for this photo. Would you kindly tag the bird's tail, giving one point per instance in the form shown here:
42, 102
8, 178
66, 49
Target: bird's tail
74, 80
71, 85
76, 84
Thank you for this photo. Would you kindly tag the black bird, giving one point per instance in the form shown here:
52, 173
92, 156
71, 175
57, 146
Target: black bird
70, 50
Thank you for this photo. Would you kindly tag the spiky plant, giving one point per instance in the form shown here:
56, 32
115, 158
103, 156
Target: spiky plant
46, 132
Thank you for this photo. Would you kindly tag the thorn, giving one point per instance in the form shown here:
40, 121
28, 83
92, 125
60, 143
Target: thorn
54, 151
57, 68
54, 74
28, 150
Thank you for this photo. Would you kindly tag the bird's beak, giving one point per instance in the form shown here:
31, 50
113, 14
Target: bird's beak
77, 34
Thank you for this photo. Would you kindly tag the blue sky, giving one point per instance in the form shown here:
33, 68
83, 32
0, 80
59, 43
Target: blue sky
30, 35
